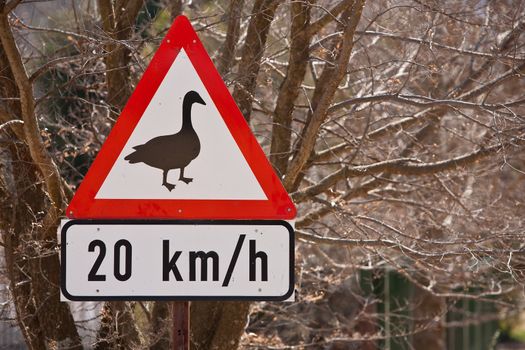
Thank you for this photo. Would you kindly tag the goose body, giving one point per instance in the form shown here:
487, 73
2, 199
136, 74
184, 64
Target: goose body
174, 151
168, 151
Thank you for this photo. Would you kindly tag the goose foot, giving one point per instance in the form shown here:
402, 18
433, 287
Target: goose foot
168, 186
186, 180
165, 182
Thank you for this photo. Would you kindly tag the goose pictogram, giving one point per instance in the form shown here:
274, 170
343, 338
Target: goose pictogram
175, 151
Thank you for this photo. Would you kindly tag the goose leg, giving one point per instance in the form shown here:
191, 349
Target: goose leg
165, 181
184, 179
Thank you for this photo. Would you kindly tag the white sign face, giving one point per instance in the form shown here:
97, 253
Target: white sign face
217, 170
177, 260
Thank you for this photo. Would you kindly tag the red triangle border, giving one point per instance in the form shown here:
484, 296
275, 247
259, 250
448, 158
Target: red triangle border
84, 205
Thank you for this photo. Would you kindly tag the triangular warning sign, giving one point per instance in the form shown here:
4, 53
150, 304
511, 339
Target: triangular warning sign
181, 148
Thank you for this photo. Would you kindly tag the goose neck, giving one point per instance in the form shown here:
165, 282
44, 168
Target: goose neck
186, 115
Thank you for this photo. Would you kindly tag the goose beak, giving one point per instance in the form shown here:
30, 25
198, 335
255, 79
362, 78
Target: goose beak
200, 100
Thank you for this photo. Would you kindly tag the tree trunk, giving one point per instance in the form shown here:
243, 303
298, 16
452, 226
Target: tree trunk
252, 52
227, 54
290, 87
218, 325
34, 200
118, 22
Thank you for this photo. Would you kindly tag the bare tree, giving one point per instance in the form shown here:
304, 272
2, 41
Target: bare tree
397, 127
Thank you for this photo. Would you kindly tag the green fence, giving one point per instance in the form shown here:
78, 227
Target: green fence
462, 324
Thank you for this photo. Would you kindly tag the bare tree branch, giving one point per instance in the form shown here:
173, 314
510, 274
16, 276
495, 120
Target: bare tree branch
252, 52
290, 87
330, 16
227, 54
31, 129
400, 167
328, 83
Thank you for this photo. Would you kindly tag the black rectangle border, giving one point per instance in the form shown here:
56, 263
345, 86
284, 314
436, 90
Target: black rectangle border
70, 297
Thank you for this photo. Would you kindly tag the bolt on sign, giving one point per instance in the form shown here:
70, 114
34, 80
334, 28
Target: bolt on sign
181, 202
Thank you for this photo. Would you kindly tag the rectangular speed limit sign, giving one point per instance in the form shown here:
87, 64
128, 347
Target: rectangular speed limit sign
177, 260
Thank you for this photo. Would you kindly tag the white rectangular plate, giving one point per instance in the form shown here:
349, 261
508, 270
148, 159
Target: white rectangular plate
177, 260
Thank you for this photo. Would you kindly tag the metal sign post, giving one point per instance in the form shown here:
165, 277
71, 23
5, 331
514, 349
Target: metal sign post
181, 325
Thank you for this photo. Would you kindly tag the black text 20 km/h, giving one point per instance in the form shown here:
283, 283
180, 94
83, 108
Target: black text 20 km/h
177, 260
123, 248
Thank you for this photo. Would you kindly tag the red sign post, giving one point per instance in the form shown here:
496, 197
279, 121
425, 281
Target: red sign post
181, 325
